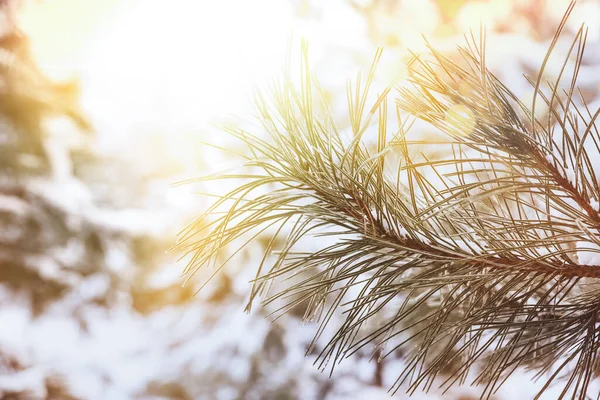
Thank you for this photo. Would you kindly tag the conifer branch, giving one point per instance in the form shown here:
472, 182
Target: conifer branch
477, 261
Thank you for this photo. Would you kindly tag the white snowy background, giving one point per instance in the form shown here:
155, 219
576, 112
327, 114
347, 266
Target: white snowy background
109, 318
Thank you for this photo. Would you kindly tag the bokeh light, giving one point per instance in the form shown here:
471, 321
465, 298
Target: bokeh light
156, 79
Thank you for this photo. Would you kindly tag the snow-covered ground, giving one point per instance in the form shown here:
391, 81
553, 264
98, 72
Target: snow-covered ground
96, 309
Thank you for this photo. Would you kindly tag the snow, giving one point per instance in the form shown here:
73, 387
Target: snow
30, 380
13, 205
588, 253
102, 347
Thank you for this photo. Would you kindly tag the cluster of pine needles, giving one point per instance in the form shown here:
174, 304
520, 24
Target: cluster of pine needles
472, 258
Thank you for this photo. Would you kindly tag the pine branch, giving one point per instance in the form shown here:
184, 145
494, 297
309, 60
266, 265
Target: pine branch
475, 260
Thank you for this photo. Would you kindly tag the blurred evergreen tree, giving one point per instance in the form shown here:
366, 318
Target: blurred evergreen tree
27, 99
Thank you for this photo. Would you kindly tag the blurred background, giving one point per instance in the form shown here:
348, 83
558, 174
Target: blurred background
104, 104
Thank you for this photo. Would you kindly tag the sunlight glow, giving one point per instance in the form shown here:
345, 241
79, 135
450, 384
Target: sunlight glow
187, 60
474, 14
61, 32
461, 115
155, 74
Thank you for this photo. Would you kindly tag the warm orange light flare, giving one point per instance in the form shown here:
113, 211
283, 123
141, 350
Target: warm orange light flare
462, 116
160, 69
